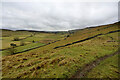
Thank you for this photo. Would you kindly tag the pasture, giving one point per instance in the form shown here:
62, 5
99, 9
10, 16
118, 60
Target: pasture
71, 56
28, 39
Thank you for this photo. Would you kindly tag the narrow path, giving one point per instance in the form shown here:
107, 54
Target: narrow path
88, 67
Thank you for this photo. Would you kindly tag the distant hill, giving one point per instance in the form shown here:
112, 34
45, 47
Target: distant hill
56, 31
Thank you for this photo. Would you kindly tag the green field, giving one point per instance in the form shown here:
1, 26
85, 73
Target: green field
28, 38
110, 67
22, 48
66, 57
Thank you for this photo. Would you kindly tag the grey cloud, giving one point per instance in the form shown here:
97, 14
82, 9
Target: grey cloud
57, 16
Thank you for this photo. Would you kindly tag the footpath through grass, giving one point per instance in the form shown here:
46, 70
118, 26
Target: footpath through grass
64, 62
60, 63
108, 66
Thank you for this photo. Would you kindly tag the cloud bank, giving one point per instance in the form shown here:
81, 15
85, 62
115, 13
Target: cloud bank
55, 16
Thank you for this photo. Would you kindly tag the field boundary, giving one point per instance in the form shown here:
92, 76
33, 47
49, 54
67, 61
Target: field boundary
16, 46
35, 47
86, 39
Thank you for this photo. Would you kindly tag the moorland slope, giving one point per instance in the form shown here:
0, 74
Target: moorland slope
68, 56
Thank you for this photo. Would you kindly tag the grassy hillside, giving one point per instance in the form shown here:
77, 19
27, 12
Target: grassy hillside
110, 67
27, 38
62, 59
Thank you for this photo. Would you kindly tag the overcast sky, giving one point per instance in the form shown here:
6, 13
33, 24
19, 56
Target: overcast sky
57, 16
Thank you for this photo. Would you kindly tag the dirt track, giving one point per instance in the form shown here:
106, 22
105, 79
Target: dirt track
88, 67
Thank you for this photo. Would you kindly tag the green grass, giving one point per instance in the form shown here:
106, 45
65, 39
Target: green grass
46, 62
8, 36
40, 38
64, 62
22, 48
106, 69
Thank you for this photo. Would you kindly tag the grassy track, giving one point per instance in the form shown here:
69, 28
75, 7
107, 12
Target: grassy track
87, 68
108, 66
